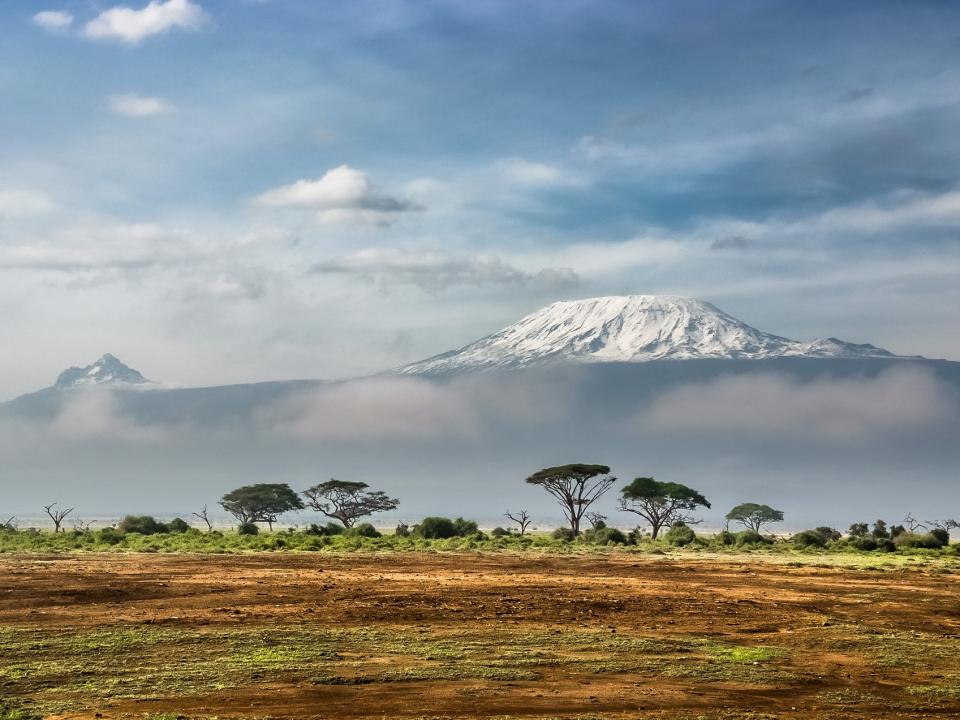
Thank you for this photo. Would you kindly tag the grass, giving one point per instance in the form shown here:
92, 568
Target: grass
63, 669
32, 541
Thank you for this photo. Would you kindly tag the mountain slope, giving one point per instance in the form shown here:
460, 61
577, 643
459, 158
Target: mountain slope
631, 328
108, 370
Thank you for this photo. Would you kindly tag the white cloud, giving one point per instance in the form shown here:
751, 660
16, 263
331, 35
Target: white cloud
130, 26
433, 270
375, 409
138, 106
900, 400
95, 415
341, 195
524, 173
22, 203
53, 20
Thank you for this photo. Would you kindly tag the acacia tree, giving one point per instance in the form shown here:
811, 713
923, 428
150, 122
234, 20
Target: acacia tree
576, 487
521, 518
347, 501
57, 516
754, 516
263, 502
661, 503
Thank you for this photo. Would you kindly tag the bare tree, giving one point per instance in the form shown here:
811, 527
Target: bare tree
521, 518
57, 516
948, 524
9, 524
597, 520
82, 525
205, 516
912, 523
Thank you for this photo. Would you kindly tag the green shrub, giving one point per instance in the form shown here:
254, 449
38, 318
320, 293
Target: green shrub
177, 525
463, 528
604, 536
752, 537
108, 536
809, 539
865, 543
142, 524
499, 532
563, 533
725, 537
942, 535
828, 534
248, 528
362, 530
909, 540
680, 535
432, 528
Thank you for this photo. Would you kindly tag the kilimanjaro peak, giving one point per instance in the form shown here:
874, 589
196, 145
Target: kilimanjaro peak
630, 328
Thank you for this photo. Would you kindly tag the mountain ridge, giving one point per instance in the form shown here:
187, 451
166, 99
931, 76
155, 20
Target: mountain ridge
629, 328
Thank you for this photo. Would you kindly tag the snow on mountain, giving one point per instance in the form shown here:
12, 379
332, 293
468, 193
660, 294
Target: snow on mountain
631, 328
108, 370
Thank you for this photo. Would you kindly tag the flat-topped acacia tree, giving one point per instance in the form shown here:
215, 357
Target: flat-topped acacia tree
576, 487
661, 503
347, 501
754, 516
263, 502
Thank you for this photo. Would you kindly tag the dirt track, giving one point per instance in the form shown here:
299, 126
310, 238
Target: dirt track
477, 635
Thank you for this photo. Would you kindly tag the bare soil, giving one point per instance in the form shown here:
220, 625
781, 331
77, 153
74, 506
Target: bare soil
407, 635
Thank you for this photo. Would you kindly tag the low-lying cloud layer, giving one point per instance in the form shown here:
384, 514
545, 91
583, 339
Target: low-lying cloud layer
779, 408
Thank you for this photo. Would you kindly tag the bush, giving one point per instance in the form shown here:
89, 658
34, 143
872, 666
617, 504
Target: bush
248, 528
362, 530
828, 534
909, 540
463, 528
142, 524
403, 530
604, 536
563, 533
809, 539
864, 543
499, 532
752, 537
942, 535
725, 537
680, 535
177, 525
108, 536
858, 530
433, 528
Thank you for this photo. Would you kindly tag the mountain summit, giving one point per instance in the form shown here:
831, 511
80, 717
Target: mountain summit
630, 328
108, 370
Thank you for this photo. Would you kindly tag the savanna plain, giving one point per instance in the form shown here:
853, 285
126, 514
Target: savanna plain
428, 633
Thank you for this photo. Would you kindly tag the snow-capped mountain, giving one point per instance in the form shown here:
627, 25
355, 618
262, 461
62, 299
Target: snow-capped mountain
108, 370
631, 328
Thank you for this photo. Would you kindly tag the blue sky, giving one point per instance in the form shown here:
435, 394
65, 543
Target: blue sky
238, 190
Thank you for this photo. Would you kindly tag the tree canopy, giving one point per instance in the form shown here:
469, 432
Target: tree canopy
575, 487
347, 501
754, 516
661, 503
263, 502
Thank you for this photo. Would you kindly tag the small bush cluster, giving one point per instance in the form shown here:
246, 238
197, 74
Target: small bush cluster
148, 525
